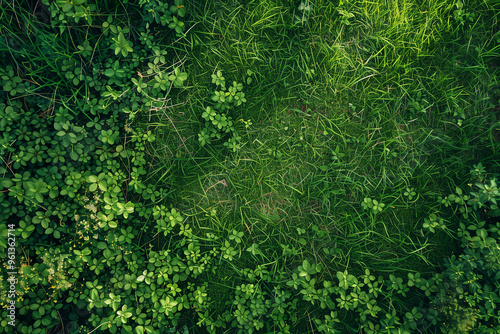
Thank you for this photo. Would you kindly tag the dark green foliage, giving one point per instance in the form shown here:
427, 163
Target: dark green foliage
93, 232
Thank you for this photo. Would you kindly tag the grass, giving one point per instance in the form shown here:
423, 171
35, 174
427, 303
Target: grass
335, 121
398, 95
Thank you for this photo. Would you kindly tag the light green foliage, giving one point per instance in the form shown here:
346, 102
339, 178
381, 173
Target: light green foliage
351, 128
177, 77
434, 223
121, 45
160, 12
305, 9
487, 193
250, 306
462, 15
410, 193
218, 120
373, 205
65, 12
177, 25
345, 16
236, 236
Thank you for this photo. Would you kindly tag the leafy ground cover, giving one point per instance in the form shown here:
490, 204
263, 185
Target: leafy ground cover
250, 166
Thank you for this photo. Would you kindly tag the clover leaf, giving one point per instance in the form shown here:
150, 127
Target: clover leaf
178, 8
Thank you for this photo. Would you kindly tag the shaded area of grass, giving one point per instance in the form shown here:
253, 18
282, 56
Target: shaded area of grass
403, 97
387, 144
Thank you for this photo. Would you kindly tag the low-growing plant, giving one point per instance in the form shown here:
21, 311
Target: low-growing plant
373, 205
305, 8
118, 231
418, 103
433, 223
218, 120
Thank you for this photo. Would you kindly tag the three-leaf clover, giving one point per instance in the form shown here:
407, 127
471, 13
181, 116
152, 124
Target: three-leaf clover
307, 269
162, 81
434, 222
218, 79
377, 206
140, 85
177, 25
220, 121
305, 6
124, 314
122, 45
204, 137
178, 77
236, 236
178, 8
85, 49
209, 114
374, 205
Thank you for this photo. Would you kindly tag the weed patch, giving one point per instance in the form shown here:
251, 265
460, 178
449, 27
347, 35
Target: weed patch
249, 167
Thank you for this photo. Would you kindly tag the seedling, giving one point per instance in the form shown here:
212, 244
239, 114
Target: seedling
433, 223
373, 205
410, 193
